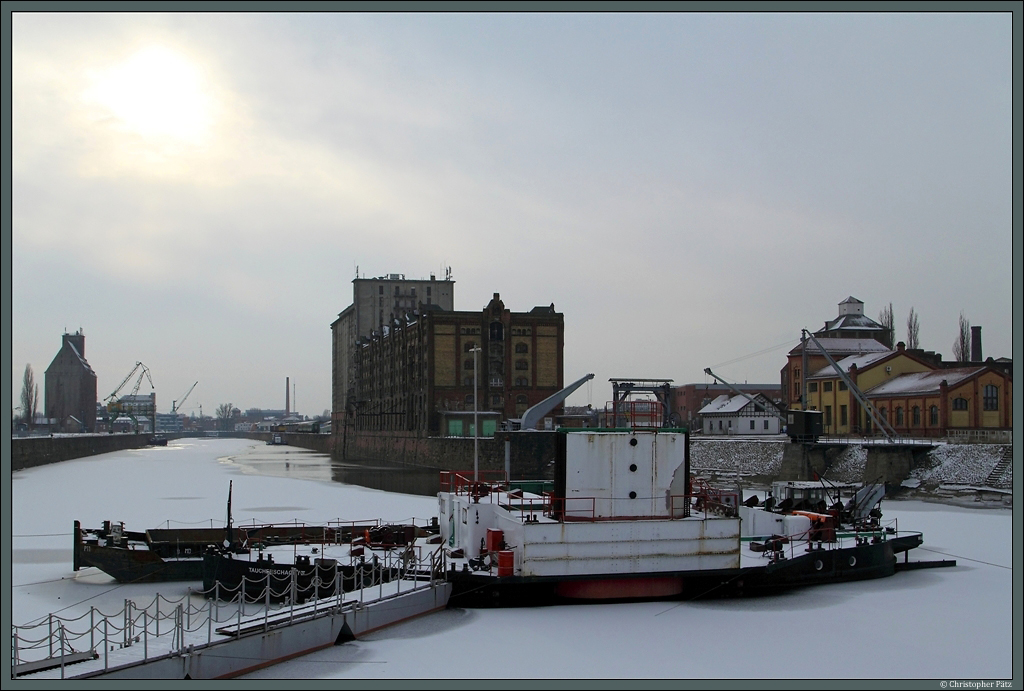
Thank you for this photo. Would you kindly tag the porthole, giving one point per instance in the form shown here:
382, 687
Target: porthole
632, 442
632, 495
632, 467
853, 561
818, 566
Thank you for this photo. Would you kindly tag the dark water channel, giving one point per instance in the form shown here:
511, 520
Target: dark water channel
293, 462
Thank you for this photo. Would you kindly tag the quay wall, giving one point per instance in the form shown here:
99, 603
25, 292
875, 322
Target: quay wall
29, 452
531, 454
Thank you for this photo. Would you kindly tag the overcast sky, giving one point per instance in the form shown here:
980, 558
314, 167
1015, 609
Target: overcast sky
196, 191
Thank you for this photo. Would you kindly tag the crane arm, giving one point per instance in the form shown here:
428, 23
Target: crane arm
175, 405
880, 423
536, 413
120, 386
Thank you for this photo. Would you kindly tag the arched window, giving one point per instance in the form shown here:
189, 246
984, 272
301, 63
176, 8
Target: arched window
522, 348
521, 399
468, 347
990, 397
899, 415
468, 364
522, 381
522, 364
916, 415
469, 399
884, 413
933, 416
497, 331
467, 381
960, 403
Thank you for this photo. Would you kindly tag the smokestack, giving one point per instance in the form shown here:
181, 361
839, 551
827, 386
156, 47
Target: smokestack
287, 400
976, 344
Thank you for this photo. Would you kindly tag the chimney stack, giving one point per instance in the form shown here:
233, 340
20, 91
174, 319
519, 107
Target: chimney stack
976, 344
287, 399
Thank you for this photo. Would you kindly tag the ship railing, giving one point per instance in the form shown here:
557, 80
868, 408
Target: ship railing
815, 539
573, 508
488, 484
173, 626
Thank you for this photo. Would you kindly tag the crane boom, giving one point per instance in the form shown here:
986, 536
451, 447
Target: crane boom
177, 404
880, 422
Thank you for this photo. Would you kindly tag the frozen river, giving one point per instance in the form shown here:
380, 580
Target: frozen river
952, 623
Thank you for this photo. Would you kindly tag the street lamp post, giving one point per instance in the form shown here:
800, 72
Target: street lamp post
476, 431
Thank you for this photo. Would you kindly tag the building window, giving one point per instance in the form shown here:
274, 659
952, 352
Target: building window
796, 373
933, 416
522, 364
469, 347
990, 397
412, 291
467, 381
496, 400
960, 403
428, 290
751, 424
842, 386
522, 381
719, 425
884, 414
826, 386
497, 331
469, 399
842, 416
396, 290
521, 399
812, 387
916, 413
796, 390
522, 348
468, 364
828, 416
899, 415
380, 290
766, 424
428, 299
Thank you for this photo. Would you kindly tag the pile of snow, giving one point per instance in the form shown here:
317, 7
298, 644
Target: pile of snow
966, 464
750, 457
849, 465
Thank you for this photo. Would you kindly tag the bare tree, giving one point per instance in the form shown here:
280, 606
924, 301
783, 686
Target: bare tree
962, 344
913, 330
886, 320
29, 395
225, 412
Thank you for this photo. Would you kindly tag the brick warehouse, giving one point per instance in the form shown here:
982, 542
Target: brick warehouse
416, 376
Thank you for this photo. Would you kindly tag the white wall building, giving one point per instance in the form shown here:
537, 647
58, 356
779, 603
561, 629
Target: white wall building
737, 415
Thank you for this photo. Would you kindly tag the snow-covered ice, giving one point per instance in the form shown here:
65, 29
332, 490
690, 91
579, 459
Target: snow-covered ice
940, 623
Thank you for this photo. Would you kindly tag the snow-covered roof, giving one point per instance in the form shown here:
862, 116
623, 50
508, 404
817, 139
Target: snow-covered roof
81, 359
862, 360
922, 382
843, 345
860, 322
726, 404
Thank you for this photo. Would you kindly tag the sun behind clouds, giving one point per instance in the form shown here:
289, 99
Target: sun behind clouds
157, 93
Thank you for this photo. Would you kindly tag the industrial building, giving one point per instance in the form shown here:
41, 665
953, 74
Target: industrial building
416, 374
377, 303
70, 387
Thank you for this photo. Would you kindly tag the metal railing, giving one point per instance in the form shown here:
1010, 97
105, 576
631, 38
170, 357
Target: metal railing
168, 626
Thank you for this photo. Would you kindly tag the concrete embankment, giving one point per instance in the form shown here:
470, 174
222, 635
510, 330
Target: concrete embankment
29, 452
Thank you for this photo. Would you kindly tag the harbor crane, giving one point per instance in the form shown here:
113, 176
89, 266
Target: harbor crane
115, 405
175, 405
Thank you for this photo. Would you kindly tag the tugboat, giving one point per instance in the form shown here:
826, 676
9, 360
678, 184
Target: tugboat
625, 522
